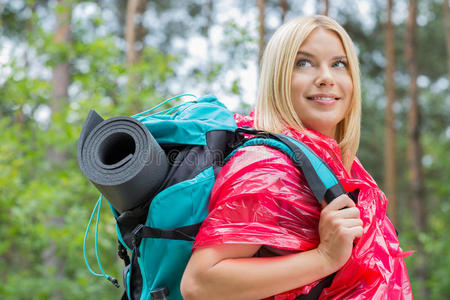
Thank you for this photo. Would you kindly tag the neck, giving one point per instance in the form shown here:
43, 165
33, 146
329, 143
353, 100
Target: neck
329, 132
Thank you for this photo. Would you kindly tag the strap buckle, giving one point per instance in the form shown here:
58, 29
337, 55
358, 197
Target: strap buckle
136, 238
241, 138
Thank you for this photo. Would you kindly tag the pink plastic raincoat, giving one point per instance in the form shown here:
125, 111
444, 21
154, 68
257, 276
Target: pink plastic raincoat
261, 198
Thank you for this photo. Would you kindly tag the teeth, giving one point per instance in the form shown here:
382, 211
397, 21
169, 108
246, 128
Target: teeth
323, 98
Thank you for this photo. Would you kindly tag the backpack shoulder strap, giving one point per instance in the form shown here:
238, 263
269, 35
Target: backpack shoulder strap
320, 178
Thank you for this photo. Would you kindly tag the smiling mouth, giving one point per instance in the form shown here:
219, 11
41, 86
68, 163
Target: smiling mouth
323, 98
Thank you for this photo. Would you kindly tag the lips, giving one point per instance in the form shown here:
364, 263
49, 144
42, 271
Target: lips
328, 97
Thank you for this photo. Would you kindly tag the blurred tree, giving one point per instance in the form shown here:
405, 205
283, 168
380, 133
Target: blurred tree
390, 175
14, 17
45, 199
433, 95
322, 7
134, 35
446, 11
262, 28
418, 196
284, 5
134, 30
61, 78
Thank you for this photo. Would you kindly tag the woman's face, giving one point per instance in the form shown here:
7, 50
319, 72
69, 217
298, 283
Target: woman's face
321, 87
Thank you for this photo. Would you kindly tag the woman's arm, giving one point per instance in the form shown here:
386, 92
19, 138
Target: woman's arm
230, 271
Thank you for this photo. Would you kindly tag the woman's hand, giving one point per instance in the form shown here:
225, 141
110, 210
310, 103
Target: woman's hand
339, 226
230, 272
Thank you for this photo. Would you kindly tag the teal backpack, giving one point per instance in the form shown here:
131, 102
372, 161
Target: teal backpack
198, 137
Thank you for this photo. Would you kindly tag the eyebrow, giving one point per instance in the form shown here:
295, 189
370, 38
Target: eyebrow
307, 54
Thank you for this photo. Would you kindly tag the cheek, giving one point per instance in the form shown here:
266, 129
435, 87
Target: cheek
298, 86
295, 90
349, 94
295, 84
347, 85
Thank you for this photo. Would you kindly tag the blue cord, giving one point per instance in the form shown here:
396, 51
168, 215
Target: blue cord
162, 103
162, 112
86, 234
96, 236
169, 110
97, 209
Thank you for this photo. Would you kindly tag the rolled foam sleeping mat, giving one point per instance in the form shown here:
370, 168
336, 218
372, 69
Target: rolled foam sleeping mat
122, 159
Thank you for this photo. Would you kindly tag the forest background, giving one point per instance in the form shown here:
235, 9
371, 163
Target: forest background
59, 59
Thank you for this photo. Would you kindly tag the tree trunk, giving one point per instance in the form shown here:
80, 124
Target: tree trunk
389, 127
134, 36
322, 9
130, 31
415, 151
61, 72
262, 29
134, 31
447, 32
284, 9
141, 31
61, 81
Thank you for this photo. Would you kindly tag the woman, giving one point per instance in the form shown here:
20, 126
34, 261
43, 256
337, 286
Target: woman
266, 236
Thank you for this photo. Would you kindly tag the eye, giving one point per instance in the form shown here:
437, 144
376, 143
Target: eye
303, 63
340, 64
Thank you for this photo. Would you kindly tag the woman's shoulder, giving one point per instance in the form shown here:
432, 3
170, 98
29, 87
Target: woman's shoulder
255, 157
255, 169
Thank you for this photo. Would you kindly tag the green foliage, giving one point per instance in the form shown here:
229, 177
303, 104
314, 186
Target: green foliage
45, 200
432, 41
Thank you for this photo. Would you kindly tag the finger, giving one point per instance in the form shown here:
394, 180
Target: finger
347, 213
340, 202
355, 232
349, 223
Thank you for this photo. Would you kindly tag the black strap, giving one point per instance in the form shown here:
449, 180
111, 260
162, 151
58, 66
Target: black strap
303, 164
122, 252
317, 290
334, 192
249, 130
124, 296
124, 278
185, 233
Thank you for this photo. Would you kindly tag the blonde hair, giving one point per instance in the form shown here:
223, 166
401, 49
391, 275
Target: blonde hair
274, 109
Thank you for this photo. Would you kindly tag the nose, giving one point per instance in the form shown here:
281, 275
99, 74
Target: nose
324, 77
